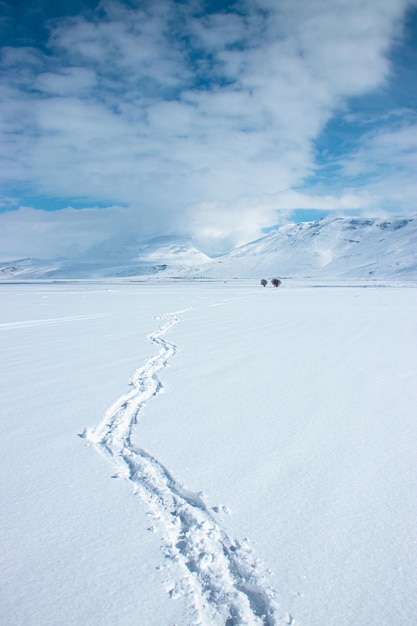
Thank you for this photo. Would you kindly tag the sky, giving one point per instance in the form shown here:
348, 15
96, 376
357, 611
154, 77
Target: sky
211, 119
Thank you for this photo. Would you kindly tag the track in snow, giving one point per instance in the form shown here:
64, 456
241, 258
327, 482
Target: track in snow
50, 321
221, 576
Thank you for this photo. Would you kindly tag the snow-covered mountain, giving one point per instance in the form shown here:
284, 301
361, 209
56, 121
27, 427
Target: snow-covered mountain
81, 268
171, 251
152, 257
328, 248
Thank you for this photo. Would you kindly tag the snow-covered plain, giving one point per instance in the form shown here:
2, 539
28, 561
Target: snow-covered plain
271, 477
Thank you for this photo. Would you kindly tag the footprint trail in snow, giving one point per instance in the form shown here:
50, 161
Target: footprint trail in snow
223, 580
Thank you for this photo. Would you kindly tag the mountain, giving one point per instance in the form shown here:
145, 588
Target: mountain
172, 251
328, 248
150, 258
82, 268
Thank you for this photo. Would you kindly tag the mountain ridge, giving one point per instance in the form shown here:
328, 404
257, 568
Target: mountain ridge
327, 248
332, 247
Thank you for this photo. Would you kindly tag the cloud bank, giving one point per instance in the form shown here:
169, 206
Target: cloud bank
200, 122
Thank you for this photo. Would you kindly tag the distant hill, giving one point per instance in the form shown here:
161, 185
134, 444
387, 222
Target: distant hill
328, 248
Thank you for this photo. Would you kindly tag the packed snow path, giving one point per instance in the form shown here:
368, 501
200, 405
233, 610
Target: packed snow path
221, 576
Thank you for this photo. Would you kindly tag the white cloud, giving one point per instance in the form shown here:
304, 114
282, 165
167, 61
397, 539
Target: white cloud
29, 232
185, 117
384, 150
72, 80
388, 160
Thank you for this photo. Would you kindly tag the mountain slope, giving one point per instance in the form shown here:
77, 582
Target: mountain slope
107, 260
328, 248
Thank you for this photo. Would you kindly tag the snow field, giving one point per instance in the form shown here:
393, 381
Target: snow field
291, 409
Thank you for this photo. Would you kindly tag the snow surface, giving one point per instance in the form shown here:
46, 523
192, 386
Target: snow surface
270, 478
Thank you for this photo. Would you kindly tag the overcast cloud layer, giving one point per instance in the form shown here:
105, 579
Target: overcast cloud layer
182, 120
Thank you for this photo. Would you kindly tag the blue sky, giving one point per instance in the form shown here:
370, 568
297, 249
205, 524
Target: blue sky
210, 119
